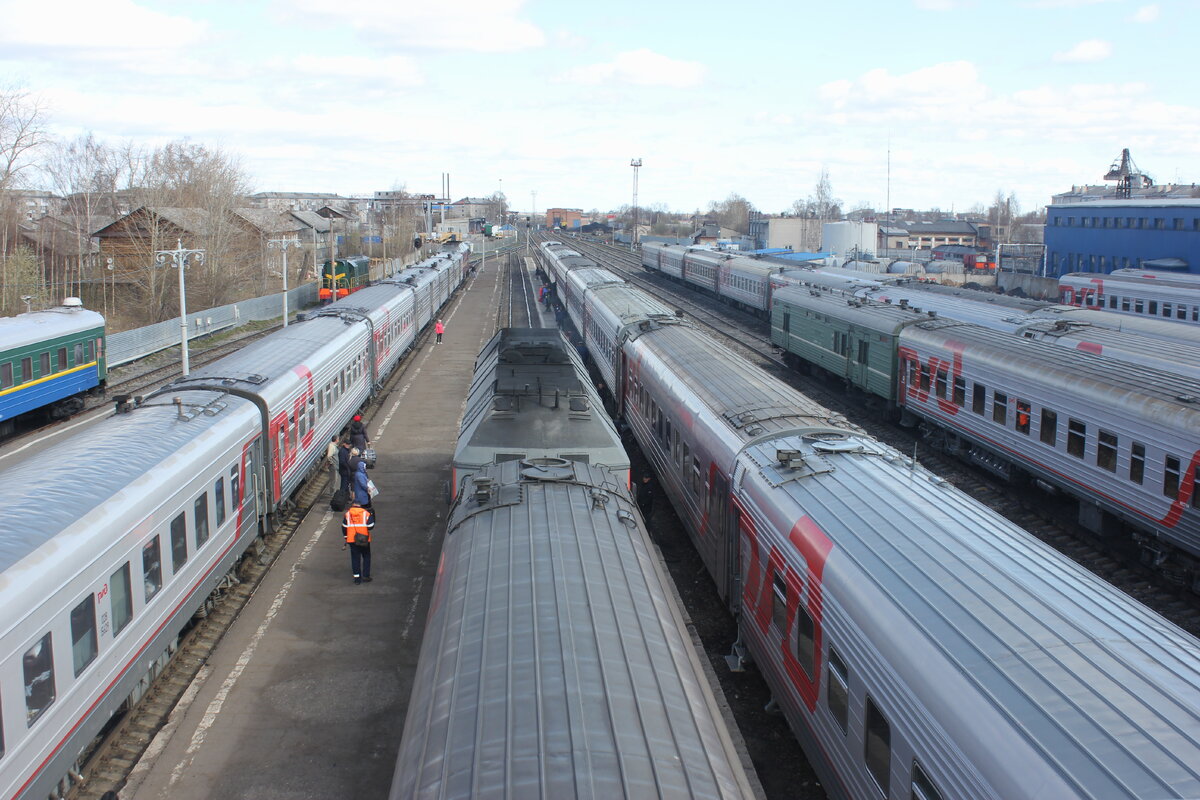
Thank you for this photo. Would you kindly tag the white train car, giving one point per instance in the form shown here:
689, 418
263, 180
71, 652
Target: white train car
1161, 298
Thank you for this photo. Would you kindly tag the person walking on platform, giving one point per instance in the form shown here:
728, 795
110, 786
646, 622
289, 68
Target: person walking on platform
439, 329
357, 523
362, 490
331, 461
344, 468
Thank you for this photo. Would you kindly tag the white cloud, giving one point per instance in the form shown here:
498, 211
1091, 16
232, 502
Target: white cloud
1146, 13
949, 84
1086, 51
114, 25
393, 70
486, 26
642, 68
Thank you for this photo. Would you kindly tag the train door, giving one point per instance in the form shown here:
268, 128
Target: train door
718, 522
858, 359
254, 484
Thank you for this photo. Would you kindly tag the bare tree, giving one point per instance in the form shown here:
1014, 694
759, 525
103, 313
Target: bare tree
821, 204
22, 132
733, 212
1001, 214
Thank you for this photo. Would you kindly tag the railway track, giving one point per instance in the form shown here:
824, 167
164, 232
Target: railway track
1044, 517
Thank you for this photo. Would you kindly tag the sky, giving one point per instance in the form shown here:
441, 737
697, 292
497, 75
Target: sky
963, 98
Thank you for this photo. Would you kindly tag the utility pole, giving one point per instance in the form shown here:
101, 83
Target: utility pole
178, 258
636, 164
284, 244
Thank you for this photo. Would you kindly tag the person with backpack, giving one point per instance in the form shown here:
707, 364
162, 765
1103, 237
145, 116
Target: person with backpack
358, 434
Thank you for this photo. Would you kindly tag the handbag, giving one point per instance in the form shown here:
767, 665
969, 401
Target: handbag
368, 455
362, 539
372, 489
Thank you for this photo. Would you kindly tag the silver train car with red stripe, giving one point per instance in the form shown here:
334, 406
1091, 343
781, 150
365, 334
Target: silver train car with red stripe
112, 539
920, 645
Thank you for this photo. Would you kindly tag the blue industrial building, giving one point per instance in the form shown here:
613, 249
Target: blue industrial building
1103, 235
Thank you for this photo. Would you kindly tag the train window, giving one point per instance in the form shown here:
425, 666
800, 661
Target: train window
877, 748
1139, 307
78, 353
62, 358
1076, 437
219, 500
922, 787
1023, 409
179, 551
1106, 451
960, 391
1112, 302
83, 634
924, 378
320, 401
38, 664
696, 480
312, 413
281, 441
293, 427
1171, 477
1181, 312
6, 375
1166, 309
44, 363
91, 350
837, 690
120, 594
1195, 483
1125, 304
302, 423
26, 370
1000, 408
1152, 308
779, 603
1137, 462
1049, 427
805, 641
940, 386
684, 453
152, 568
200, 512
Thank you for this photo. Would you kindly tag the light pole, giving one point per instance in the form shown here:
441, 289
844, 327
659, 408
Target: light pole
635, 163
284, 244
178, 258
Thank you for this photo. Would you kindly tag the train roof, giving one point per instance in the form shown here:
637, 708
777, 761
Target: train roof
531, 397
1126, 279
989, 626
591, 277
751, 402
572, 673
1023, 304
119, 457
1120, 386
882, 317
35, 327
1133, 323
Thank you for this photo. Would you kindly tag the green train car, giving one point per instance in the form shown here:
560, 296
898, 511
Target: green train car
843, 335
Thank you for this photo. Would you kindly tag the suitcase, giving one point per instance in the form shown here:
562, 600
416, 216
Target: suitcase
368, 456
340, 501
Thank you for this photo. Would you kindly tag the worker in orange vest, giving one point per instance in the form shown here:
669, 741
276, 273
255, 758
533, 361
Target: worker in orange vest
357, 523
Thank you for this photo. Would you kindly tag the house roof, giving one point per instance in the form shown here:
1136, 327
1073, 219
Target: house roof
188, 220
312, 220
943, 226
268, 221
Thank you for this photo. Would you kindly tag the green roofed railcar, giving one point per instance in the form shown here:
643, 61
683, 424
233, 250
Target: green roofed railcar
855, 340
49, 360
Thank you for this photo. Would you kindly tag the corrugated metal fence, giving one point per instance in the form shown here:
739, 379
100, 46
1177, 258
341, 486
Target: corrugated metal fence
139, 342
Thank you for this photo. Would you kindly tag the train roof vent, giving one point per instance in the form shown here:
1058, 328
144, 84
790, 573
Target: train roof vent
792, 459
579, 404
547, 469
1186, 398
72, 302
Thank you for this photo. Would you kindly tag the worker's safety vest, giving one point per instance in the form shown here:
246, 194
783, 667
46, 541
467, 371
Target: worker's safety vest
357, 520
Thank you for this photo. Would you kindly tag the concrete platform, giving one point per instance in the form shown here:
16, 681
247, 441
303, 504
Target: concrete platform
306, 695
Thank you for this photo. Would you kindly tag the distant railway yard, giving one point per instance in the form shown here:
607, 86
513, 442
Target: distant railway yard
882, 592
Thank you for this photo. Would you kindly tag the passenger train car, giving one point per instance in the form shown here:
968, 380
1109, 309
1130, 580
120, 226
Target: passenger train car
1023, 317
110, 541
1167, 298
920, 645
556, 661
1122, 437
49, 360
741, 280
